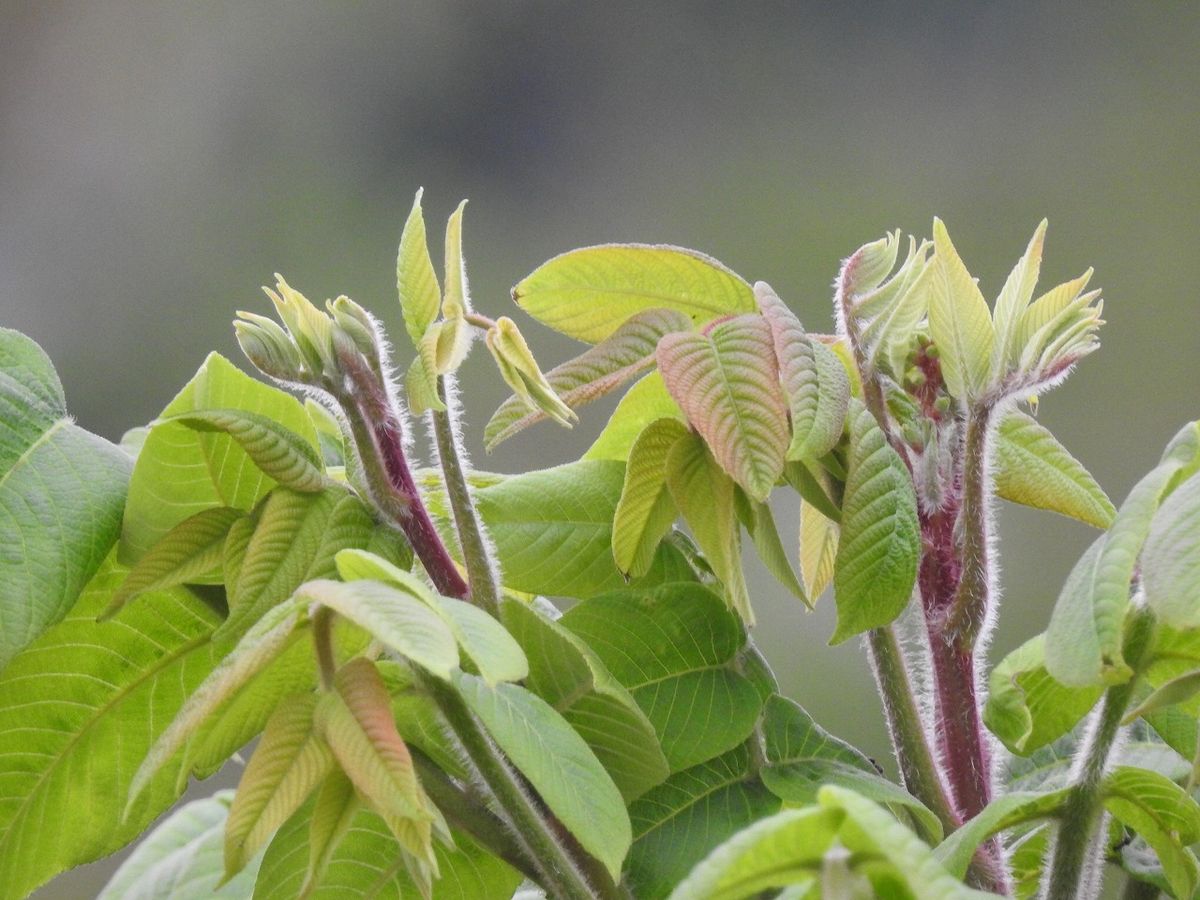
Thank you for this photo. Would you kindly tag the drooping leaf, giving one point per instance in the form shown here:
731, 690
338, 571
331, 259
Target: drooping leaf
572, 679
645, 511
416, 280
558, 763
1004, 812
726, 381
1014, 299
334, 808
705, 496
1027, 708
880, 542
813, 381
675, 648
520, 370
61, 493
181, 471
288, 764
393, 617
286, 457
599, 370
759, 521
778, 851
588, 293
1176, 691
1164, 815
79, 709
181, 859
678, 823
191, 552
1171, 558
818, 550
1034, 469
959, 321
644, 403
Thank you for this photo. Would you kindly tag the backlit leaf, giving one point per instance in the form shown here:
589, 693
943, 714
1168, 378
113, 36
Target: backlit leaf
416, 281
1014, 299
646, 510
644, 403
959, 321
818, 550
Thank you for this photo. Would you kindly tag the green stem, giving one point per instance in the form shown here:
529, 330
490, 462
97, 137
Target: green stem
1139, 890
563, 871
481, 571
1078, 845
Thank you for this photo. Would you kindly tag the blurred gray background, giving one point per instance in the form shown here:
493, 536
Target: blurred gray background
159, 161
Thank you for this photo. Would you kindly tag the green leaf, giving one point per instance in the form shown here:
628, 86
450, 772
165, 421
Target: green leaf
588, 293
644, 403
818, 550
181, 859
679, 822
79, 709
1171, 558
286, 457
393, 617
959, 321
1014, 299
1034, 469
1164, 815
1176, 691
705, 496
416, 281
880, 543
645, 511
781, 850
364, 863
760, 523
454, 336
599, 370
61, 494
560, 766
1083, 640
1006, 811
572, 679
189, 553
288, 764
814, 382
726, 381
181, 471
675, 648
1027, 708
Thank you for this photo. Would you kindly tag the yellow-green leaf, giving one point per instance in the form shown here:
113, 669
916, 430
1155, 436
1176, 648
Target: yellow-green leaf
1014, 299
959, 321
416, 280
645, 510
644, 403
818, 549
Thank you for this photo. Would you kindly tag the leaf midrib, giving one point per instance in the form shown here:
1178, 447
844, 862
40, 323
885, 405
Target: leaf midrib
42, 439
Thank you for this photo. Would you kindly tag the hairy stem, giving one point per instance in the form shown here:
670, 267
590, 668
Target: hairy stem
563, 870
481, 573
1079, 841
1139, 890
968, 613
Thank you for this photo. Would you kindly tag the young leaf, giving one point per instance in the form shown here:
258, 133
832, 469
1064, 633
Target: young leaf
1044, 310
1034, 469
281, 454
1171, 558
876, 564
818, 550
181, 471
775, 852
560, 766
679, 822
727, 384
1006, 811
454, 337
644, 403
599, 370
814, 382
519, 369
572, 679
416, 281
191, 552
181, 859
704, 494
1164, 815
645, 511
61, 494
394, 617
1014, 299
588, 293
675, 648
288, 764
959, 321
79, 709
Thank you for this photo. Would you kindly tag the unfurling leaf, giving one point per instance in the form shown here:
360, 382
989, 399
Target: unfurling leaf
588, 293
520, 371
416, 280
1034, 469
704, 495
599, 370
813, 380
880, 542
454, 338
959, 322
1014, 299
727, 384
288, 764
645, 511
